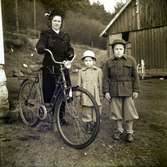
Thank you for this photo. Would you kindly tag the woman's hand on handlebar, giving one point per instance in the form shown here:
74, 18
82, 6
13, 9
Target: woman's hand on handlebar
67, 64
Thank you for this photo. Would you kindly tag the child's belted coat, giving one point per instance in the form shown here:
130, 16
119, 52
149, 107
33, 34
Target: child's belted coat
91, 79
120, 76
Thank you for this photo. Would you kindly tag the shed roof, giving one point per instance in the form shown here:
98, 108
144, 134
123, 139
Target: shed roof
115, 18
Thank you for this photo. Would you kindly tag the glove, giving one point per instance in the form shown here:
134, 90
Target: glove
135, 95
107, 96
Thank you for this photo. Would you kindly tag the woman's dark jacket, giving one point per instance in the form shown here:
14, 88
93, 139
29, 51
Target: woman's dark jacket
59, 44
61, 48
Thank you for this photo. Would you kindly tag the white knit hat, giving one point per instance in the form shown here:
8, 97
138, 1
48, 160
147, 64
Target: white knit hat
88, 53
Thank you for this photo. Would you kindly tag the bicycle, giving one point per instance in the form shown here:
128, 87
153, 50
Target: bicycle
33, 109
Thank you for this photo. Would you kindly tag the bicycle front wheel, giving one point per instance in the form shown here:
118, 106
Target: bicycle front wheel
80, 124
29, 101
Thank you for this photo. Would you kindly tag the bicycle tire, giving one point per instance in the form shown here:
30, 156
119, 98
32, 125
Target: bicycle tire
76, 123
29, 100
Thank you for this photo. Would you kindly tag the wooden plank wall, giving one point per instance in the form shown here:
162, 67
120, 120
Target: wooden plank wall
152, 13
150, 45
126, 21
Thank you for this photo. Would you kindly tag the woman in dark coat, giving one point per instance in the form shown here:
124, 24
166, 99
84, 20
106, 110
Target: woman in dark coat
59, 43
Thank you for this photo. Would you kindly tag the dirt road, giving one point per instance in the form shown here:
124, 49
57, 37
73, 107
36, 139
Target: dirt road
21, 146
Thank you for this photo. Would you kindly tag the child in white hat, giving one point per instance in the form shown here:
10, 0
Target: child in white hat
90, 78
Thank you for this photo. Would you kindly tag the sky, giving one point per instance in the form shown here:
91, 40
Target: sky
108, 4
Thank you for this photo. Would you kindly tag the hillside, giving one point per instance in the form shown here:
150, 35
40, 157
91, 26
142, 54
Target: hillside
21, 51
29, 18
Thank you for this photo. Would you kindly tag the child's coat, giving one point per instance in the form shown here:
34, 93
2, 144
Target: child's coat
90, 78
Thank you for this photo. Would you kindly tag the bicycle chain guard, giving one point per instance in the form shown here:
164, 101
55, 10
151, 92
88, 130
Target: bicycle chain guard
42, 112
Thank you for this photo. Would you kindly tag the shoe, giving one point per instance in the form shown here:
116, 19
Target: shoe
129, 137
69, 99
45, 127
63, 122
117, 135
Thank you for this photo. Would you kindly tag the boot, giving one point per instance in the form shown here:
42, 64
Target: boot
129, 137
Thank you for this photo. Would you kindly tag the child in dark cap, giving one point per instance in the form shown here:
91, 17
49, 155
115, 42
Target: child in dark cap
121, 87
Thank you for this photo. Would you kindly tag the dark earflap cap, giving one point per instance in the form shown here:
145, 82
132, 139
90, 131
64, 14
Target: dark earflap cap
118, 41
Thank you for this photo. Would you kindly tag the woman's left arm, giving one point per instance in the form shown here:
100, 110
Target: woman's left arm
70, 50
42, 43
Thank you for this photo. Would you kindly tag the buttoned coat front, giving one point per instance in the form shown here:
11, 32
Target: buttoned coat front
120, 76
59, 44
91, 79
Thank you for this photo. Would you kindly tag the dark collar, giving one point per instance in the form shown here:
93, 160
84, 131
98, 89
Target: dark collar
115, 58
59, 35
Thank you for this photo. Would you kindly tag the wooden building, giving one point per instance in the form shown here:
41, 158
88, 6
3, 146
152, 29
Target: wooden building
143, 24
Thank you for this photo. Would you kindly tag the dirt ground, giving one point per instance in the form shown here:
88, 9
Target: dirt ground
21, 146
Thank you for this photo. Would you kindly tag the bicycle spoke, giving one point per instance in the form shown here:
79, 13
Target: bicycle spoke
76, 133
78, 128
29, 100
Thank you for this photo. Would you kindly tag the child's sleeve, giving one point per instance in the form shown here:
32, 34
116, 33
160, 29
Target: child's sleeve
105, 78
79, 81
135, 77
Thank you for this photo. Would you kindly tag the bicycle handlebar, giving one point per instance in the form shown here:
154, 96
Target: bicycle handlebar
58, 62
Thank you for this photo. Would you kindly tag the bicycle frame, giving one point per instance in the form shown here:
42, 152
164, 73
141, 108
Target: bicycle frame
65, 106
61, 83
60, 88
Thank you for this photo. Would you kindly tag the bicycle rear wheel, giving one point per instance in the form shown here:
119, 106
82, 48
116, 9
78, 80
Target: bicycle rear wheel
82, 125
29, 102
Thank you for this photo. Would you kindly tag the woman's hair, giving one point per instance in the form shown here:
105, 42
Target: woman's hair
50, 14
